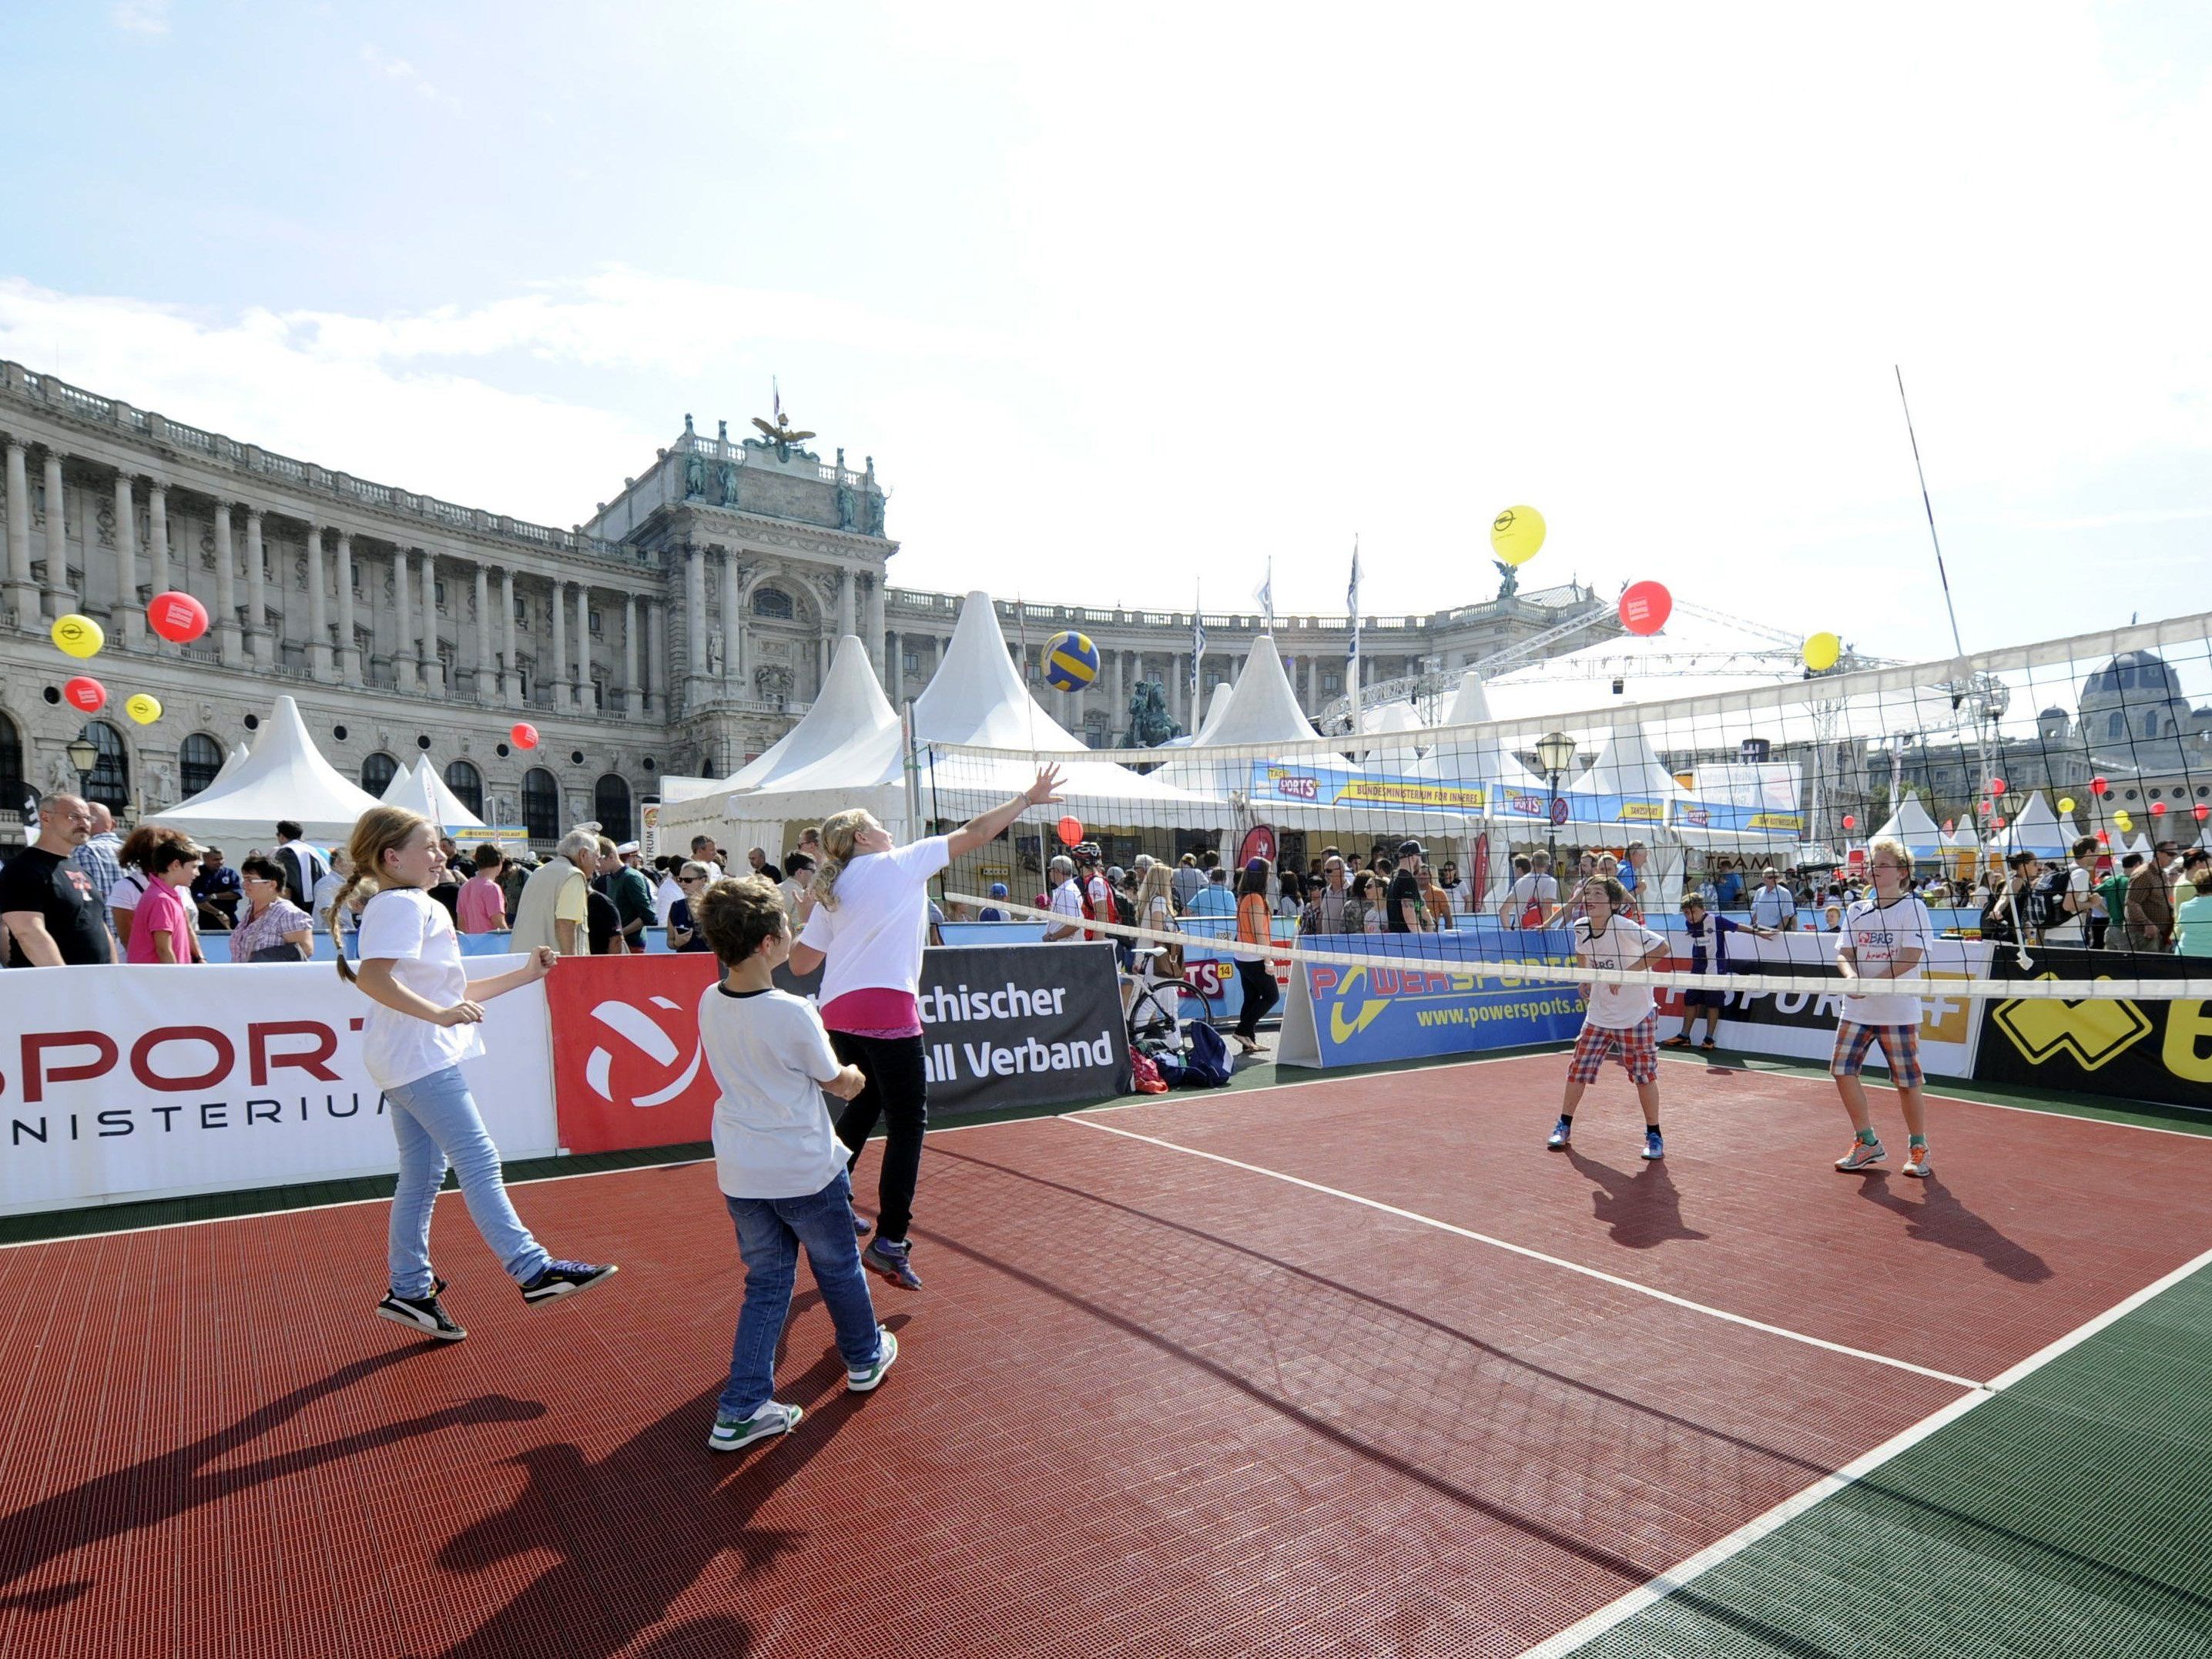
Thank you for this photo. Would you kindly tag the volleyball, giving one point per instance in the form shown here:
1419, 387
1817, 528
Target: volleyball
1071, 661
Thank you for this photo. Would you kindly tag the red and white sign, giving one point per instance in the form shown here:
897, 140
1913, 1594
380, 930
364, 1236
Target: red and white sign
154, 1082
627, 1070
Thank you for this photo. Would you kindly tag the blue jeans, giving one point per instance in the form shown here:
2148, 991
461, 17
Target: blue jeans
769, 1232
436, 1123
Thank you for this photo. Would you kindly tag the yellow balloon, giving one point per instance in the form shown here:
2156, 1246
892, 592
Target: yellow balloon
78, 636
1821, 651
2124, 820
1517, 534
2066, 803
143, 708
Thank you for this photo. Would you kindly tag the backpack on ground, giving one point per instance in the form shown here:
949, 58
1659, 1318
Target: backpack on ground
1205, 1062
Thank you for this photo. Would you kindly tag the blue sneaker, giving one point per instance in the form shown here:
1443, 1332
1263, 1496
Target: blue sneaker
861, 1225
890, 1259
1561, 1131
1654, 1148
729, 1433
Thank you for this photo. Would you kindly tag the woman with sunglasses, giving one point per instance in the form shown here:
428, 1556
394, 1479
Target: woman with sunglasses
685, 932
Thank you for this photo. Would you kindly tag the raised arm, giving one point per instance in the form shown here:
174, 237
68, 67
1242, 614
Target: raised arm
986, 828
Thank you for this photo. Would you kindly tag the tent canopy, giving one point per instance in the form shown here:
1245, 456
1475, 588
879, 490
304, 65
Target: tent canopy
420, 789
2034, 828
285, 776
1910, 826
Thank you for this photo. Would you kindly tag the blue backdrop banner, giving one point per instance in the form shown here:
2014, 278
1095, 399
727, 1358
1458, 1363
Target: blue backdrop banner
1454, 995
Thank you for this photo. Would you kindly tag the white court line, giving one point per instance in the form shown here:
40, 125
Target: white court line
1645, 1596
1598, 1273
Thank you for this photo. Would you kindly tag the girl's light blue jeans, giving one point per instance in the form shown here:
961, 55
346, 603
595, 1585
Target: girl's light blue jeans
437, 1124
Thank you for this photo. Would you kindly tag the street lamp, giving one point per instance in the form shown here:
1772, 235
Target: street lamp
1555, 752
84, 754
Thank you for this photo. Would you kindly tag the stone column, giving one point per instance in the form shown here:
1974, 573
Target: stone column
434, 671
349, 653
57, 594
510, 679
583, 645
484, 671
559, 698
226, 592
402, 627
157, 539
1119, 711
22, 593
633, 693
656, 654
879, 642
126, 566
893, 673
694, 627
844, 622
257, 593
319, 609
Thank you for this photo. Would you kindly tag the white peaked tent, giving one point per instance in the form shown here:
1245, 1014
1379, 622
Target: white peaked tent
2034, 828
1962, 849
1475, 757
420, 789
1910, 826
231, 763
285, 776
1391, 720
1217, 707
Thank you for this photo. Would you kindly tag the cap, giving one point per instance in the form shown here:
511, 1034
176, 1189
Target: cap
1253, 867
1411, 849
627, 846
998, 890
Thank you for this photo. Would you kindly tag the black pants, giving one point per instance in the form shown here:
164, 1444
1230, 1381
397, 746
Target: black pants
897, 1091
1257, 979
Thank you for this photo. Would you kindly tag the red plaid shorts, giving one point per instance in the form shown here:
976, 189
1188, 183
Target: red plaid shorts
1900, 1047
1637, 1046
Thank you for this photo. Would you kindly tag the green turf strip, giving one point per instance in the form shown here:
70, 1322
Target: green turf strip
2071, 1514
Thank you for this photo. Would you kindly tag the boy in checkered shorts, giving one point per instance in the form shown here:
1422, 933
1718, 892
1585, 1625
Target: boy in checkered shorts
1621, 1019
1887, 936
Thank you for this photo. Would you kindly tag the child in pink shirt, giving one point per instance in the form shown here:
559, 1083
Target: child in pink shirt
162, 928
481, 905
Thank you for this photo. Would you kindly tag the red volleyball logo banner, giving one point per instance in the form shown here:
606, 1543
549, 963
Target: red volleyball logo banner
627, 1069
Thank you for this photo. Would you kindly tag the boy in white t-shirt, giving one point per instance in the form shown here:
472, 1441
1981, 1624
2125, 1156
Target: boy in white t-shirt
1620, 1019
778, 1160
1888, 936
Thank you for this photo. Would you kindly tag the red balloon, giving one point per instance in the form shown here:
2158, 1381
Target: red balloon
524, 734
2098, 786
1645, 607
1850, 822
2104, 836
1071, 831
1982, 807
2158, 809
1996, 823
2202, 811
177, 616
1996, 786
84, 692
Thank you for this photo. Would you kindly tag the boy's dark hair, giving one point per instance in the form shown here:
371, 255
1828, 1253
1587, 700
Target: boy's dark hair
168, 854
288, 829
738, 913
797, 861
2131, 860
1208, 859
489, 857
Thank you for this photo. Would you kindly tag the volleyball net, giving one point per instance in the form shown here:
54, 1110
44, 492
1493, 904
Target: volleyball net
1999, 774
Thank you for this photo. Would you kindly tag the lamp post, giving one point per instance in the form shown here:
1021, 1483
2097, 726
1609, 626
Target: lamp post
84, 754
1555, 752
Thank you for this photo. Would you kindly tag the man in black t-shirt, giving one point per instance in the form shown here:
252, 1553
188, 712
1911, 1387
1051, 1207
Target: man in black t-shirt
49, 905
1401, 911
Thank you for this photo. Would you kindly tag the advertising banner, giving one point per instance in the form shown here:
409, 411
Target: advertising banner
1002, 1025
1358, 1013
1324, 785
1800, 1026
133, 1083
2154, 1050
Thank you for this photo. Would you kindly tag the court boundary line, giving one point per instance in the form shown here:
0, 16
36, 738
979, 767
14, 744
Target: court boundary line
1523, 1250
1620, 1611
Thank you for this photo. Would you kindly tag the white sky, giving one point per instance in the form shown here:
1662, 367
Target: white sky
1121, 299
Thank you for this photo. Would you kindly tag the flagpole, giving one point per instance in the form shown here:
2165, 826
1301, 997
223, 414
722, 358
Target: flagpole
1353, 597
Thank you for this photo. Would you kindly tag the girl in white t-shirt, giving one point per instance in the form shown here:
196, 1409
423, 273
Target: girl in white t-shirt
422, 1027
870, 922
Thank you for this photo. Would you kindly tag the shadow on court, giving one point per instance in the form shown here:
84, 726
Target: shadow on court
1640, 1209
1940, 1218
160, 1489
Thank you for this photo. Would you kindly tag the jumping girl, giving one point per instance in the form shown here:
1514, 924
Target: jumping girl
422, 1027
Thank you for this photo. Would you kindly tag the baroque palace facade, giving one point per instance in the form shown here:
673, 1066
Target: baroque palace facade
679, 631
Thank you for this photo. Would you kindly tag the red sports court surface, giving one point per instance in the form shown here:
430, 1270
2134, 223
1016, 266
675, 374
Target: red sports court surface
1150, 1402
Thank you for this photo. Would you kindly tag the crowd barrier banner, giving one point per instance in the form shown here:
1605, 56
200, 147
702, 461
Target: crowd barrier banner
150, 1082
1358, 1014
2154, 1050
1799, 1026
1003, 1025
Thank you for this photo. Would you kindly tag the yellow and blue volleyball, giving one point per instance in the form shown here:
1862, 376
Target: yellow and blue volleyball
1071, 661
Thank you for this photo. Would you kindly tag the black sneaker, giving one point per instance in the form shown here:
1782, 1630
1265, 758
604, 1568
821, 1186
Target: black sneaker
565, 1279
428, 1316
890, 1259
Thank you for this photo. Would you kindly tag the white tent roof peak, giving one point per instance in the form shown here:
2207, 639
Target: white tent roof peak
1627, 766
1262, 707
1216, 707
284, 776
976, 697
1911, 825
1470, 704
420, 789
851, 714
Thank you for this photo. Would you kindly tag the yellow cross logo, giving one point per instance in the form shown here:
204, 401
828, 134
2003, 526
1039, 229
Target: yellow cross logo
2092, 1032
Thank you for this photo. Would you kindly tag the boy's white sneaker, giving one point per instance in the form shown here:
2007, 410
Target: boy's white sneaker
861, 1382
731, 1433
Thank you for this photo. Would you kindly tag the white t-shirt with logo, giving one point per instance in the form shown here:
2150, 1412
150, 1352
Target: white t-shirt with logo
1622, 944
1877, 935
874, 935
770, 1056
406, 927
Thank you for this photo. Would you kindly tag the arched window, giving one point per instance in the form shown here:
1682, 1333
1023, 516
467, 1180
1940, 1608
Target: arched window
2150, 726
611, 806
772, 602
109, 782
2115, 725
13, 794
467, 785
377, 773
541, 804
199, 760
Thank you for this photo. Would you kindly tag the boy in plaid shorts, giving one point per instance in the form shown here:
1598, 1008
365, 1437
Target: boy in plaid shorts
1620, 1019
1887, 936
